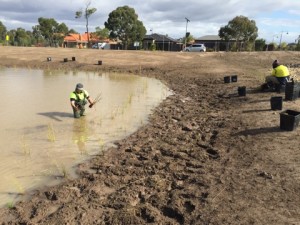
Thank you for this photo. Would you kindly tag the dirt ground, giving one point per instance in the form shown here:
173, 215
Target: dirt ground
207, 156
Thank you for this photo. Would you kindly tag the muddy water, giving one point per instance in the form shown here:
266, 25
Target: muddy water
40, 140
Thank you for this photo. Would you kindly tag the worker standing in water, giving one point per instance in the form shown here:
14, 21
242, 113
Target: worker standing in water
79, 99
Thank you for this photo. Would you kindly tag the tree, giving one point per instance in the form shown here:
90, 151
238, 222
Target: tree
47, 28
60, 32
283, 46
72, 31
124, 25
87, 13
298, 43
22, 37
260, 44
189, 39
102, 33
2, 31
37, 35
62, 28
240, 29
12, 34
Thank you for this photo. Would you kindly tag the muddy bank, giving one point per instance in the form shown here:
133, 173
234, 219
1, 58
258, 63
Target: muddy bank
207, 156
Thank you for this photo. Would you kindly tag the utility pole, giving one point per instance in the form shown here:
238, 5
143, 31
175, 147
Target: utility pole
274, 36
281, 38
187, 20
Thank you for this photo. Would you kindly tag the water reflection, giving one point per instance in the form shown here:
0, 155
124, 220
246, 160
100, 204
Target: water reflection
40, 139
80, 134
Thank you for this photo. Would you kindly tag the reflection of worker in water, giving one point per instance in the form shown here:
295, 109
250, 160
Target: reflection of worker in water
80, 134
78, 99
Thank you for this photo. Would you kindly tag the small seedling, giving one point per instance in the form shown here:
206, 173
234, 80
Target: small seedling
24, 145
18, 186
114, 113
64, 171
129, 100
51, 134
101, 144
61, 168
10, 205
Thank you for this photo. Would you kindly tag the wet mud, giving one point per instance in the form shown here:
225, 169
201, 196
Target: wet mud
208, 155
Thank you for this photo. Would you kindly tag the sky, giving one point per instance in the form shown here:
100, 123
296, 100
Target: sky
276, 20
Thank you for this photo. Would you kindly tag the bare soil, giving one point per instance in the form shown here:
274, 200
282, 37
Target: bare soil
208, 156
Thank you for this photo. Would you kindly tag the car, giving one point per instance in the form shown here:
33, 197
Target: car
196, 48
99, 45
96, 46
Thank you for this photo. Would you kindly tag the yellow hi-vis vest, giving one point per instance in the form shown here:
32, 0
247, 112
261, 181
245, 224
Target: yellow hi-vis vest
79, 96
280, 71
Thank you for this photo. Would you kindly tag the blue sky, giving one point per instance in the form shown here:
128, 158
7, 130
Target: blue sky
279, 24
274, 18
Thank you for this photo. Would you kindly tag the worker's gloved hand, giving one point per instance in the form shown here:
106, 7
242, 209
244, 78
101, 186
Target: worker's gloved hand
91, 105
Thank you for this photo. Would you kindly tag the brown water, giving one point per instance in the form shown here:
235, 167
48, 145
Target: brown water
40, 140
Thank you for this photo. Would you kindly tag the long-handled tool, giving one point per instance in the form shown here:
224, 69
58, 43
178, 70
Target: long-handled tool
97, 99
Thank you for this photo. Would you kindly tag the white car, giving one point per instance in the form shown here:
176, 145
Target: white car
99, 46
196, 48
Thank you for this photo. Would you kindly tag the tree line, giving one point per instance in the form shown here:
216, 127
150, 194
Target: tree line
122, 24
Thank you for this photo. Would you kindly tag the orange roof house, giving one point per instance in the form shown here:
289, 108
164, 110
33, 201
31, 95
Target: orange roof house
79, 40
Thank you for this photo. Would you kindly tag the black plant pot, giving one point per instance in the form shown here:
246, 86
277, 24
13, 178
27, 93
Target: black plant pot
289, 120
276, 103
227, 79
234, 78
242, 91
291, 91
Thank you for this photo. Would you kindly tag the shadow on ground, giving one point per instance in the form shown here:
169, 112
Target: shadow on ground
56, 115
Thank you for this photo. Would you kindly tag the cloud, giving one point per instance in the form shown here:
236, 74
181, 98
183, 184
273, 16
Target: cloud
163, 16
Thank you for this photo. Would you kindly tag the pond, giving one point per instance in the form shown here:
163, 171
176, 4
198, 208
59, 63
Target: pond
40, 140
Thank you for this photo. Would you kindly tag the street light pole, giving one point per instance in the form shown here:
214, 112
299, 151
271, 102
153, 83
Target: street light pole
274, 37
187, 20
281, 38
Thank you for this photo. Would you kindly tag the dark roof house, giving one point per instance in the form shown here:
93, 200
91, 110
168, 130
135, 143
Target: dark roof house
215, 43
212, 42
161, 42
209, 38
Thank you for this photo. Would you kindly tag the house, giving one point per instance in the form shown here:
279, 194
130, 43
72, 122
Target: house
161, 42
79, 40
215, 43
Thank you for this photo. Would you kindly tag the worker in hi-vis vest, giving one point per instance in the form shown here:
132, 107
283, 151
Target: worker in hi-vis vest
280, 74
78, 99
